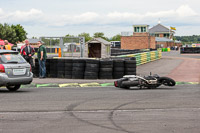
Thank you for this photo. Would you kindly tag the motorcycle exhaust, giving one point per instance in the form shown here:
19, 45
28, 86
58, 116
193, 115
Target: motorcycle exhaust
130, 83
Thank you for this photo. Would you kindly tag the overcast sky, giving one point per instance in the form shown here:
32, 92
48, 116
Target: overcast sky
61, 17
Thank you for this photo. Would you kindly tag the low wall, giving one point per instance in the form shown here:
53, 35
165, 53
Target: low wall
190, 50
145, 57
87, 68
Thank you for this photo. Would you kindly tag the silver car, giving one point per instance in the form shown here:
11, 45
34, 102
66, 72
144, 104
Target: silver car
14, 70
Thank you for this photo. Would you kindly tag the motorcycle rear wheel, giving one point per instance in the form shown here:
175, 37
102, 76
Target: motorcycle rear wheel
167, 81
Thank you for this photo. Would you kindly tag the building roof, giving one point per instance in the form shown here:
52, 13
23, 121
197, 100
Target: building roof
34, 40
159, 28
163, 39
99, 40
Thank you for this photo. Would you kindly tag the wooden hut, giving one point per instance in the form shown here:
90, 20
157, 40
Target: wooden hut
97, 48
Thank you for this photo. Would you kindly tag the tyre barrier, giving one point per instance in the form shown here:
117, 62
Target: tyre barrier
190, 50
118, 69
78, 68
53, 68
106, 69
145, 57
87, 68
91, 69
130, 67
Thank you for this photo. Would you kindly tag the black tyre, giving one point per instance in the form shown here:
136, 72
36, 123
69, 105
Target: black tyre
130, 73
68, 61
118, 63
78, 65
91, 69
68, 64
91, 74
60, 68
118, 75
106, 66
167, 81
105, 69
118, 69
78, 61
130, 62
68, 72
82, 69
91, 61
60, 74
92, 65
68, 76
13, 88
130, 65
105, 74
77, 76
129, 69
90, 77
105, 77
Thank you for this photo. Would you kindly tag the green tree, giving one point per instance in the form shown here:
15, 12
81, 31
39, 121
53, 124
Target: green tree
20, 32
101, 35
86, 35
116, 38
8, 33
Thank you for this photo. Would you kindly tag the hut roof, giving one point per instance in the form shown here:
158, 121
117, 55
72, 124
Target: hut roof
99, 40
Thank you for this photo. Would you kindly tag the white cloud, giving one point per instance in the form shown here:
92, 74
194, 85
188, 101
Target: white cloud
1, 11
33, 15
181, 12
185, 11
183, 15
37, 16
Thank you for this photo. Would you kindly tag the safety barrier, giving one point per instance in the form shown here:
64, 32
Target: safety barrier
166, 49
87, 68
145, 57
190, 50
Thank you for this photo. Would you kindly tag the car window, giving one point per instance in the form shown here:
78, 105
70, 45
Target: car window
12, 58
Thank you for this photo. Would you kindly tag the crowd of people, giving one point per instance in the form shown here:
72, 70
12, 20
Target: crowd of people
27, 51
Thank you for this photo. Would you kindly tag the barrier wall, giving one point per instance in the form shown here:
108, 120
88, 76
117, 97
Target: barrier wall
166, 49
87, 68
142, 58
96, 68
190, 50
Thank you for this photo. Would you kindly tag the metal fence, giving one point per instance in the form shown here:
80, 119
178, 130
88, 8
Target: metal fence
69, 46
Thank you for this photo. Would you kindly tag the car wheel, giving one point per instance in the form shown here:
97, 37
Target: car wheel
13, 88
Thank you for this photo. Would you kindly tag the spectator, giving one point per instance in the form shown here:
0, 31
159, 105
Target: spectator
6, 45
27, 52
42, 56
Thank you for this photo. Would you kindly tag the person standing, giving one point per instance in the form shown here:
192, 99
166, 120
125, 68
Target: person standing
6, 45
42, 56
27, 52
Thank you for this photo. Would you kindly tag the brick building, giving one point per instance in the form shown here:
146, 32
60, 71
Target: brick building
158, 36
141, 39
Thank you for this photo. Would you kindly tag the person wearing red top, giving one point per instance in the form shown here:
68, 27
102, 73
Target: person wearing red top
27, 52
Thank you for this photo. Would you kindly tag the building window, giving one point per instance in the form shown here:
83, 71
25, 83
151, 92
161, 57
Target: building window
166, 35
144, 29
156, 35
135, 29
138, 29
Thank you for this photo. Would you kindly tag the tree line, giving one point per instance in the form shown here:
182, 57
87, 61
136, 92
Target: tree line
16, 33
188, 39
12, 33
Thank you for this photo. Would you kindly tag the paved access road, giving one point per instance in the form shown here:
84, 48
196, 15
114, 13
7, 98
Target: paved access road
101, 110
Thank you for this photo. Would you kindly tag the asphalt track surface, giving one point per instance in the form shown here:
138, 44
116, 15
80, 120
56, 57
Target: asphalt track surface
101, 110
106, 109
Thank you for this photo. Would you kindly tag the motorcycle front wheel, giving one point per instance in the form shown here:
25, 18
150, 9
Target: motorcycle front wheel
167, 81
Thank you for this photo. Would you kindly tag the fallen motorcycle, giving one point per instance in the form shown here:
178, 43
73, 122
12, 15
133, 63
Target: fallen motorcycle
150, 82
